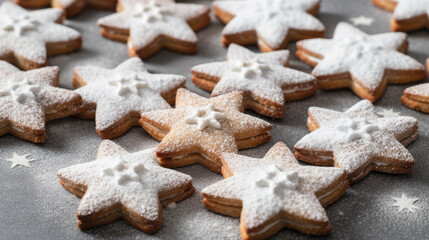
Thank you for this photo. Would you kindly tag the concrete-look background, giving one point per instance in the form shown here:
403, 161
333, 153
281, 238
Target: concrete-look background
33, 205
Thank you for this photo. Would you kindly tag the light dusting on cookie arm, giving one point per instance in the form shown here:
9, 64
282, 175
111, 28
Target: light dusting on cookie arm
119, 20
409, 9
391, 40
48, 15
237, 52
189, 11
312, 51
215, 69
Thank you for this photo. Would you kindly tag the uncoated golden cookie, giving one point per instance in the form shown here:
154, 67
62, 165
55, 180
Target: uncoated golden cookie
270, 23
275, 192
263, 78
70, 7
358, 141
29, 99
116, 98
200, 130
151, 25
131, 186
364, 63
27, 38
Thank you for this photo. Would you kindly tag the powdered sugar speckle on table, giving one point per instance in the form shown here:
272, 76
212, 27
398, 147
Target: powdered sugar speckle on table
34, 205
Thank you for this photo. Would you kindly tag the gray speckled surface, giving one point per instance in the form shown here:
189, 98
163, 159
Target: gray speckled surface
33, 205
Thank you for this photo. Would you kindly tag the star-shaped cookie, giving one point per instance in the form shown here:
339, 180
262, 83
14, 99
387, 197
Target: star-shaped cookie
358, 141
29, 99
264, 79
27, 38
408, 15
200, 130
275, 192
269, 23
116, 98
70, 7
151, 25
364, 63
405, 129
118, 184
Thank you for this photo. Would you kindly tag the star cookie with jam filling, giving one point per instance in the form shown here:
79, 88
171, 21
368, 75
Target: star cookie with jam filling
200, 130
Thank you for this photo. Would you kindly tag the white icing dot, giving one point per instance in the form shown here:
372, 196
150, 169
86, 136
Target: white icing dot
250, 68
128, 84
122, 173
277, 181
205, 117
22, 92
20, 24
149, 11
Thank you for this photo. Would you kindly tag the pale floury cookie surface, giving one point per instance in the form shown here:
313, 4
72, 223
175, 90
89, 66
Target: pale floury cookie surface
275, 192
417, 97
151, 25
264, 78
200, 130
271, 23
116, 98
70, 7
358, 141
29, 99
364, 63
408, 15
131, 186
27, 38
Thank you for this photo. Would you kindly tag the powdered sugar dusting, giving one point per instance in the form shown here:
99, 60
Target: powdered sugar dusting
141, 195
32, 98
271, 19
361, 146
31, 43
401, 127
364, 57
269, 84
261, 204
211, 142
419, 90
111, 106
172, 24
407, 9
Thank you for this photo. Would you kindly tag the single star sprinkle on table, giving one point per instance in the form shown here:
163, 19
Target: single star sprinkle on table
405, 203
362, 20
387, 113
20, 160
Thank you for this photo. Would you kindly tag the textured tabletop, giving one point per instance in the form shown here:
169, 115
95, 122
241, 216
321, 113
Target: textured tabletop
33, 205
